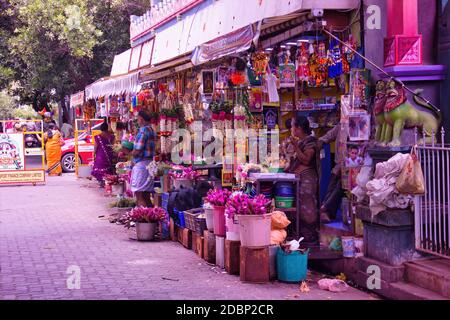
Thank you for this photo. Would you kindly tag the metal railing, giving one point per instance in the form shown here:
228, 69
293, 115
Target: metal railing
432, 210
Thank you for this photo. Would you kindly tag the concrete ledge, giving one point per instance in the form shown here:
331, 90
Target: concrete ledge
388, 218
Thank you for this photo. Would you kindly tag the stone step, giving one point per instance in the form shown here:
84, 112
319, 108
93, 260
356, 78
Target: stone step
387, 272
410, 291
431, 274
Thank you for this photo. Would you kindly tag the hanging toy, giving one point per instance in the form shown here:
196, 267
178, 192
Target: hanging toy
302, 71
260, 62
335, 60
322, 61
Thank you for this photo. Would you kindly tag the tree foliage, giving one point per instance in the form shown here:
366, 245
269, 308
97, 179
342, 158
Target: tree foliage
61, 44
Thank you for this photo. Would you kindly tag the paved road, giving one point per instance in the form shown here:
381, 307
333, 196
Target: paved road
44, 230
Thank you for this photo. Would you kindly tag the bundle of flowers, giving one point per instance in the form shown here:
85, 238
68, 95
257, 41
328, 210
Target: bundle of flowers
218, 197
114, 179
144, 215
242, 204
243, 172
123, 167
185, 174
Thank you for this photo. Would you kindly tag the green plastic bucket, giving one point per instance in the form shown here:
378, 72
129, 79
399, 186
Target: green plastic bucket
292, 267
284, 202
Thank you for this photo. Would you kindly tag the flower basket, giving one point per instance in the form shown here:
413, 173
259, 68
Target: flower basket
219, 221
254, 230
232, 229
118, 189
146, 231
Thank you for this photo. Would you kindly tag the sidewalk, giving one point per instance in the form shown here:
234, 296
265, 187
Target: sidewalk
46, 229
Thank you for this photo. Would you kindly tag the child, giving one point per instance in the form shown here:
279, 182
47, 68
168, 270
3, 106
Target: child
353, 159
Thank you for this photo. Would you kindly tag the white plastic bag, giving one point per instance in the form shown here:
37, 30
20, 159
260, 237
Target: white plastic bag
271, 81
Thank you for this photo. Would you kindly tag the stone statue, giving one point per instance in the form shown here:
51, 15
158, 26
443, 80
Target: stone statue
399, 114
378, 110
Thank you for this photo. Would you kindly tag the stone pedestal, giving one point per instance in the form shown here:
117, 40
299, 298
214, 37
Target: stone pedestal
389, 236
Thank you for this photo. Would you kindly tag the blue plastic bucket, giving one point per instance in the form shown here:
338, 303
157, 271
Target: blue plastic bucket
292, 267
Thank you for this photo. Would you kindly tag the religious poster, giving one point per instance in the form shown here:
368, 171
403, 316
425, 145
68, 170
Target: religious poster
360, 88
270, 117
359, 127
255, 99
208, 82
12, 154
287, 75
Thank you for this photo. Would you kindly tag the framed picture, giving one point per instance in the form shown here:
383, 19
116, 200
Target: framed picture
360, 88
208, 82
255, 99
359, 127
357, 156
287, 75
223, 77
270, 115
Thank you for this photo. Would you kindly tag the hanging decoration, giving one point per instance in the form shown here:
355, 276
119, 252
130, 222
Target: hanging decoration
335, 60
302, 67
260, 62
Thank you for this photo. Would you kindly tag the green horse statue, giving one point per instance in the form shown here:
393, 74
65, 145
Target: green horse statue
399, 114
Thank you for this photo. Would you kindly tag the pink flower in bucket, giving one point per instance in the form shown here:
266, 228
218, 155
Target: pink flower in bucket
217, 197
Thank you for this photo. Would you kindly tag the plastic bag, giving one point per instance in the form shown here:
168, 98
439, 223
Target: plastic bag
411, 180
333, 285
277, 236
271, 81
279, 220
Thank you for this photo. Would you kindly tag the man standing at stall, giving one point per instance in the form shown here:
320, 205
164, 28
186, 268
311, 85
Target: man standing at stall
143, 152
333, 196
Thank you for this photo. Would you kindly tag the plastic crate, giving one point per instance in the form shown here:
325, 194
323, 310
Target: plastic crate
181, 222
165, 200
189, 217
200, 225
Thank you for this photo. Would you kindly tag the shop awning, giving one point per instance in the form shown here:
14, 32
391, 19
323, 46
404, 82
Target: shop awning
77, 99
128, 83
214, 19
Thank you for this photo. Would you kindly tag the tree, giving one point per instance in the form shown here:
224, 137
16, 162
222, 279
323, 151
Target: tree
61, 44
7, 105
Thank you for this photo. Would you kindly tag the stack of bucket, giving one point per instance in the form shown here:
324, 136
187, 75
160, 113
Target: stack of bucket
266, 189
284, 195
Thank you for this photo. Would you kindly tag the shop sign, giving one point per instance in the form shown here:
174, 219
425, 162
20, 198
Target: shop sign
12, 155
77, 99
34, 152
14, 177
234, 42
86, 148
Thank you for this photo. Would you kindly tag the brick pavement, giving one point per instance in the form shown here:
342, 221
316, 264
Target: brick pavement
46, 229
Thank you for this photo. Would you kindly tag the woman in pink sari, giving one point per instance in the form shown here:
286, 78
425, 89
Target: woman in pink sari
103, 163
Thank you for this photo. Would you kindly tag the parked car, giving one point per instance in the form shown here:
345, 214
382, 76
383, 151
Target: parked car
85, 150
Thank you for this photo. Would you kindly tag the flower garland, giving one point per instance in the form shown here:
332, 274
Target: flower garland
218, 197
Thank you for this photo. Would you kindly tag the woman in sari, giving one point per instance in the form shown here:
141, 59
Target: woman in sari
53, 142
305, 164
103, 163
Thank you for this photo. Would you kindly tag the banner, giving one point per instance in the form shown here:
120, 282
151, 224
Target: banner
234, 42
77, 99
12, 155
14, 177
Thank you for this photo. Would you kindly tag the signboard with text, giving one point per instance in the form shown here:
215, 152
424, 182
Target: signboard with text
18, 177
12, 155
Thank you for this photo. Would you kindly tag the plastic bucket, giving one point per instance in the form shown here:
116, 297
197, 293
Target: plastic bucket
293, 266
348, 247
254, 230
232, 229
359, 247
84, 171
146, 231
284, 202
219, 221
209, 215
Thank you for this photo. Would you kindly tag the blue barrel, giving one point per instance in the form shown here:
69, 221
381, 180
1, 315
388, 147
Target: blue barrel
292, 267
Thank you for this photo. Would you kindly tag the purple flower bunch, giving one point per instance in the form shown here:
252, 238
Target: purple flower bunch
186, 173
144, 215
242, 204
218, 197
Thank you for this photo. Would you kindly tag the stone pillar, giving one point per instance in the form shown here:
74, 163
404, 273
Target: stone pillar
403, 44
